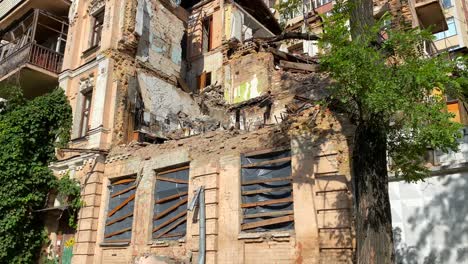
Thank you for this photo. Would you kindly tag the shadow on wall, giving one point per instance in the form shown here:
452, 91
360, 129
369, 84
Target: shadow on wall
441, 225
331, 189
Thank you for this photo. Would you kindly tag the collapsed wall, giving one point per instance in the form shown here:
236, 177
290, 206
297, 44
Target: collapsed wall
320, 199
169, 140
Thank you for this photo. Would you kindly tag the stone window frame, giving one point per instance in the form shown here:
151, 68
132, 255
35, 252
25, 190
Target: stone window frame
86, 86
131, 191
85, 114
97, 26
175, 204
274, 217
207, 20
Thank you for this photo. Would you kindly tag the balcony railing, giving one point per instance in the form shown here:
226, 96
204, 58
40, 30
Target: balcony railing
32, 54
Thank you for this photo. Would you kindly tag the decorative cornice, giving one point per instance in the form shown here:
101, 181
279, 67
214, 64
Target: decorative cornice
95, 6
117, 158
75, 164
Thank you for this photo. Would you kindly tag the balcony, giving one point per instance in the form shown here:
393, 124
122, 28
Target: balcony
31, 52
431, 15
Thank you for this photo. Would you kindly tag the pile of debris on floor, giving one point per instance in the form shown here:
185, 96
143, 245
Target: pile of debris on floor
296, 85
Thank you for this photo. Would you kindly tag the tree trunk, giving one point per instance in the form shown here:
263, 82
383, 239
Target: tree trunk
362, 17
373, 216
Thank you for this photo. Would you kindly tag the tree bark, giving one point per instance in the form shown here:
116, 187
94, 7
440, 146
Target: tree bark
362, 17
373, 215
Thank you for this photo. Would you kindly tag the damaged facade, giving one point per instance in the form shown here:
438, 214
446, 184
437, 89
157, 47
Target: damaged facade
173, 103
168, 98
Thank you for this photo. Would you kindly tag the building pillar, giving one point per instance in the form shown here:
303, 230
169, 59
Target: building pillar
86, 233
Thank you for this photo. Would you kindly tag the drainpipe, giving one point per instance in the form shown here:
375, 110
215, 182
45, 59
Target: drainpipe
202, 226
199, 199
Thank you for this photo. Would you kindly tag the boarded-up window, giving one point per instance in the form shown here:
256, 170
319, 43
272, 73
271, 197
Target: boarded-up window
267, 199
170, 210
120, 211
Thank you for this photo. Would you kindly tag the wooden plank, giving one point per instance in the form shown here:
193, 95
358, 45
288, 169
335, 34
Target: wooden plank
278, 220
180, 234
278, 53
171, 180
332, 209
118, 232
168, 222
117, 240
267, 180
266, 151
123, 181
323, 155
174, 170
299, 66
124, 191
269, 202
183, 85
330, 191
268, 162
268, 190
119, 219
327, 174
267, 214
170, 209
118, 207
336, 248
174, 225
169, 198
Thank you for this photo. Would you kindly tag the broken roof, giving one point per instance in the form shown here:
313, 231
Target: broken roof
259, 10
256, 8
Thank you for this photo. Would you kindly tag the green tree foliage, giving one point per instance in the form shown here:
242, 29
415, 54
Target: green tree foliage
29, 133
392, 82
289, 8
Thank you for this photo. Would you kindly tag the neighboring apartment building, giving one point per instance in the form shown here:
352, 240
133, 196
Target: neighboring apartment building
430, 217
455, 38
33, 36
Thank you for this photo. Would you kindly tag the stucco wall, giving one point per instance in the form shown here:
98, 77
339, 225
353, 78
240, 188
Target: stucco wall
319, 163
430, 219
160, 42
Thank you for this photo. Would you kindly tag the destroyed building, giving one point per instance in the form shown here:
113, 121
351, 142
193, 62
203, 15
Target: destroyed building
172, 97
191, 105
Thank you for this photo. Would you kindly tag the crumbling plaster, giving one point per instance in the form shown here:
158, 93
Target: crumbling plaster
215, 163
142, 59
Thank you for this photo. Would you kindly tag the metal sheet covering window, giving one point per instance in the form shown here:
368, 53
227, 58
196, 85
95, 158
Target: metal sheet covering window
170, 210
267, 198
120, 211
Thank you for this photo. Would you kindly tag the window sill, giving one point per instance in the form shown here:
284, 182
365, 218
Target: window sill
115, 244
90, 51
80, 139
166, 243
280, 236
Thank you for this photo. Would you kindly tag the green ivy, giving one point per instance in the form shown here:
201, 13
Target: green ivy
29, 133
69, 194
